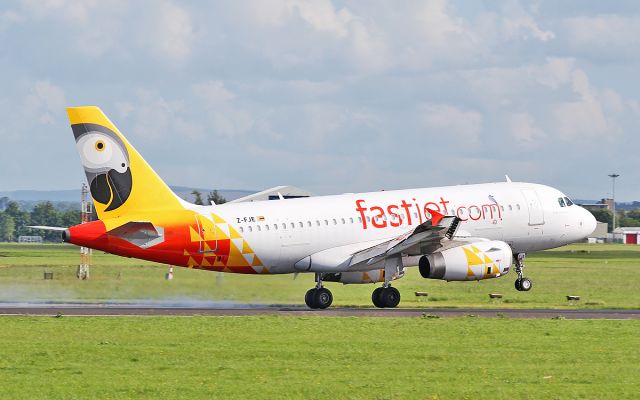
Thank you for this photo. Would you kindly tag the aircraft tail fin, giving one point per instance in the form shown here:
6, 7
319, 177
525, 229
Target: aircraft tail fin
120, 180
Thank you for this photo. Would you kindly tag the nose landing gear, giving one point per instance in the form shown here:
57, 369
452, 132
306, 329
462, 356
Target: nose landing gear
522, 284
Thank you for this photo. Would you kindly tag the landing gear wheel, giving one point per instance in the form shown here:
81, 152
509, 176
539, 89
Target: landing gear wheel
390, 297
308, 298
376, 297
322, 298
518, 285
525, 284
522, 284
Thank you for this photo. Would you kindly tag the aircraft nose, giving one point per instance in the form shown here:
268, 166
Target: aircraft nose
588, 222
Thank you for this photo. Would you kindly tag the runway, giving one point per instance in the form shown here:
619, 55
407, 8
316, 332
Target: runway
229, 309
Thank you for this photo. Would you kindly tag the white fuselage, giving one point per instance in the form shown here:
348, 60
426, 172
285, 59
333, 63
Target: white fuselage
528, 217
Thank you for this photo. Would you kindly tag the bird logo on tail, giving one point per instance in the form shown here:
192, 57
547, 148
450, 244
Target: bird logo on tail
106, 163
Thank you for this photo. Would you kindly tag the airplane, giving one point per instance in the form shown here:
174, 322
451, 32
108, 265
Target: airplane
452, 233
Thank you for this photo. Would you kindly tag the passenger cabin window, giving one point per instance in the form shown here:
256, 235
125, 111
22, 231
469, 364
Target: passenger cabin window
293, 225
241, 229
510, 208
318, 222
343, 221
326, 222
275, 227
351, 219
518, 206
259, 229
335, 222
300, 224
250, 229
284, 226
309, 224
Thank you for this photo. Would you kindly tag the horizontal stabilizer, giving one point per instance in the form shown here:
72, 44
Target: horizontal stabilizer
48, 228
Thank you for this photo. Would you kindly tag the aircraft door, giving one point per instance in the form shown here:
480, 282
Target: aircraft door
536, 212
208, 235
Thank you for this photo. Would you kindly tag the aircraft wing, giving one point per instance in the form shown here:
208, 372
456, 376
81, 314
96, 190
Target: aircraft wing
424, 239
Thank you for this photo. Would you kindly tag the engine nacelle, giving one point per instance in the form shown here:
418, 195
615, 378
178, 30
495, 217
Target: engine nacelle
469, 262
354, 277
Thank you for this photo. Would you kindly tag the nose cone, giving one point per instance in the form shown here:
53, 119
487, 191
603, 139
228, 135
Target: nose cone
587, 222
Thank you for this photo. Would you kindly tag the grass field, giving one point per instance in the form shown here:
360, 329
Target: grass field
605, 276
317, 358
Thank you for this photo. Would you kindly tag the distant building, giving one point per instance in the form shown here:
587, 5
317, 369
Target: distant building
29, 239
600, 234
627, 235
608, 203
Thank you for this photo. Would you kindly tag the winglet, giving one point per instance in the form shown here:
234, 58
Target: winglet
436, 217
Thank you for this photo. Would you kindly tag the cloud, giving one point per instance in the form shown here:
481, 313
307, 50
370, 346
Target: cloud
518, 22
224, 117
586, 115
45, 100
523, 129
172, 32
213, 93
461, 126
604, 36
330, 87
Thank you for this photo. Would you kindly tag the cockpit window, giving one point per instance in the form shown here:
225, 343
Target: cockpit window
561, 202
568, 201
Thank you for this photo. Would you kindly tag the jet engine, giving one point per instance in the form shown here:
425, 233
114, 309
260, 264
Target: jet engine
468, 262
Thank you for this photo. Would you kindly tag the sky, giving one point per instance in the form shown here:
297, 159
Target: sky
330, 96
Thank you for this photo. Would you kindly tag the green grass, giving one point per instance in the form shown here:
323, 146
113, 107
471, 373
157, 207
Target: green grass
605, 276
317, 358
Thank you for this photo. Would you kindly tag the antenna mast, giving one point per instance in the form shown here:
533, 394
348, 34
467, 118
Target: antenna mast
85, 253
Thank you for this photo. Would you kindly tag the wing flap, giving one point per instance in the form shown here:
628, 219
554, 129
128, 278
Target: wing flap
424, 239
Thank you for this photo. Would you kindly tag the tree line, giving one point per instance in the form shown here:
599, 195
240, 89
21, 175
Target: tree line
626, 218
14, 221
212, 198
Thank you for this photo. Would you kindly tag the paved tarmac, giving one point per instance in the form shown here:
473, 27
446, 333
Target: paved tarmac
230, 309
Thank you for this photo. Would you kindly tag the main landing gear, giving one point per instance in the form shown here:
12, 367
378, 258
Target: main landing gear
522, 284
319, 297
385, 297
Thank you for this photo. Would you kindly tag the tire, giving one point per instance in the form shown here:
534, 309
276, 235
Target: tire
518, 285
390, 297
309, 298
526, 284
376, 298
322, 298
